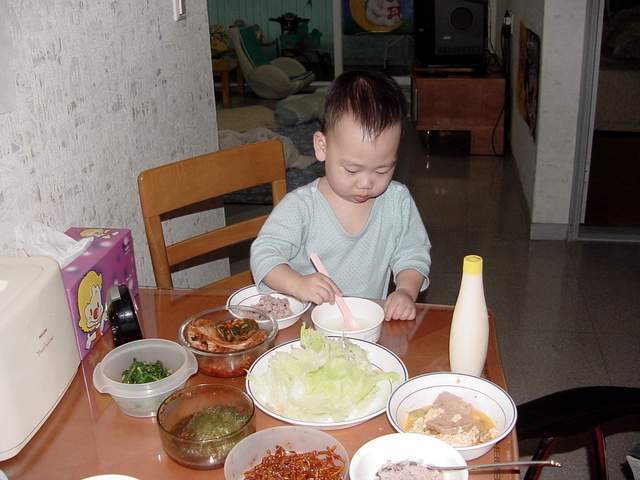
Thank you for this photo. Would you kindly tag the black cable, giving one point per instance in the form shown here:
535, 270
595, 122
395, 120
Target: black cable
493, 131
505, 47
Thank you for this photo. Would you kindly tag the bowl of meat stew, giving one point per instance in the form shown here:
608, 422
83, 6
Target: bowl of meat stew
469, 413
227, 340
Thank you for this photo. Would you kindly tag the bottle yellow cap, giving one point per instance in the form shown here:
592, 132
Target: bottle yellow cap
472, 265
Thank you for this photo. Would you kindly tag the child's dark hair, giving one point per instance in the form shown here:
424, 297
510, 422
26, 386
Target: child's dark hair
374, 99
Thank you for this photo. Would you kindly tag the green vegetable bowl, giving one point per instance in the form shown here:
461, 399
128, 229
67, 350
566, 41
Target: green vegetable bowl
199, 425
143, 364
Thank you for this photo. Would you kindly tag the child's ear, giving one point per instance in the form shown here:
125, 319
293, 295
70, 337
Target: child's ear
320, 146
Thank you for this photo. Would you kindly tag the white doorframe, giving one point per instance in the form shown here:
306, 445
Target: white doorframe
337, 37
586, 114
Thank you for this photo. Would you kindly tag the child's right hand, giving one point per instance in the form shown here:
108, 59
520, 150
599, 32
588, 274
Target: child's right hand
317, 288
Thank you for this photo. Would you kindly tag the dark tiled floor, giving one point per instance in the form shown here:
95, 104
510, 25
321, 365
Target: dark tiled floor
567, 314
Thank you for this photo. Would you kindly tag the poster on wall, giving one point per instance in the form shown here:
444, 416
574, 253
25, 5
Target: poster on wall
377, 16
529, 77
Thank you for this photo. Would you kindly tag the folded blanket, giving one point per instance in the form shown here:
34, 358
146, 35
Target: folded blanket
293, 159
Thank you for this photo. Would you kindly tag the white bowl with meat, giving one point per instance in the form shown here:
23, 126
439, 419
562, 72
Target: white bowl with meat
285, 309
405, 456
469, 413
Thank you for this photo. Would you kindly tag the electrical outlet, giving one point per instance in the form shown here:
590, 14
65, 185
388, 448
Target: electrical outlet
179, 10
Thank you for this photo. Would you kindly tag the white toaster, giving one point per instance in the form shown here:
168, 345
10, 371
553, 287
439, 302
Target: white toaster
38, 353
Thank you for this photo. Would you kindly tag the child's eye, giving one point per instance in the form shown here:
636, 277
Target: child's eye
351, 172
382, 172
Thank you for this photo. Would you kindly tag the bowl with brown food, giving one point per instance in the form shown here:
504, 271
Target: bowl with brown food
469, 413
226, 340
287, 452
284, 308
199, 425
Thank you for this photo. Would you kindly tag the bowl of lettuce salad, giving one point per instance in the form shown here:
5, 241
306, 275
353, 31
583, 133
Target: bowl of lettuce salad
324, 382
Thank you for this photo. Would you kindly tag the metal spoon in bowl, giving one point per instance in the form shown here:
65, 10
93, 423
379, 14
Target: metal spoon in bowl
525, 463
342, 305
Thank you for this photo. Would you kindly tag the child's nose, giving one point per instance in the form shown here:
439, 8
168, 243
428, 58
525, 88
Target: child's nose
365, 182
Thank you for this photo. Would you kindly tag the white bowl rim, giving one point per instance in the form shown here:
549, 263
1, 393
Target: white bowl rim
359, 331
305, 305
507, 430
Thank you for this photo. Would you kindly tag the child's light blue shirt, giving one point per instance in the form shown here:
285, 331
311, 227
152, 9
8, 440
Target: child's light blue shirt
394, 239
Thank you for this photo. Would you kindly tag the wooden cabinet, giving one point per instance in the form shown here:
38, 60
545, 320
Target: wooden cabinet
459, 102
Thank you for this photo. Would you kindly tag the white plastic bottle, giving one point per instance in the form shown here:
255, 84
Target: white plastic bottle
469, 337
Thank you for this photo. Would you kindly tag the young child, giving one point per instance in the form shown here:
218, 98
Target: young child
362, 225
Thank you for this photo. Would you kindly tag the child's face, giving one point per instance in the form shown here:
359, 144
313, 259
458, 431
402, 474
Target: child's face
357, 168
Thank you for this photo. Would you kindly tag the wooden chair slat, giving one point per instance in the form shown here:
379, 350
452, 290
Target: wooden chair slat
167, 192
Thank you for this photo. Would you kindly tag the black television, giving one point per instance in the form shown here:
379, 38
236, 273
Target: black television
450, 33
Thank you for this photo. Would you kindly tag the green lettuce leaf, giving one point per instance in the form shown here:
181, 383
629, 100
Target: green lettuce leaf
325, 379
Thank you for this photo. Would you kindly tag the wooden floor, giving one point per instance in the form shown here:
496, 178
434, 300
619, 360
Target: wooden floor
612, 197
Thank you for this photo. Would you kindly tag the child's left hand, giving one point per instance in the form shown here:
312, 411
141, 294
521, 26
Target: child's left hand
399, 306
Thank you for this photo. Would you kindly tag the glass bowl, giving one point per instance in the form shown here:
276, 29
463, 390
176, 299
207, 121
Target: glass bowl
229, 363
199, 425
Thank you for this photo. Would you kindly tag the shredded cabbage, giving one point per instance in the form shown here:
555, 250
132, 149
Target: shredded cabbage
324, 380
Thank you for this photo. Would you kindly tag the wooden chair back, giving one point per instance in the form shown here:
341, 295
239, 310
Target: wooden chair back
169, 190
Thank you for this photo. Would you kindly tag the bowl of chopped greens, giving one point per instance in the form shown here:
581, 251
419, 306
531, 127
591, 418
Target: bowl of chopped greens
139, 375
200, 424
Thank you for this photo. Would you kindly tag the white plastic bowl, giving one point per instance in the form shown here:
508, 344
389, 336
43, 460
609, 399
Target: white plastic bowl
143, 400
367, 314
397, 447
249, 296
110, 476
489, 398
249, 452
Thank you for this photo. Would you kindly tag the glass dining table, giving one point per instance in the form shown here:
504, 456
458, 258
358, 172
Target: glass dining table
88, 435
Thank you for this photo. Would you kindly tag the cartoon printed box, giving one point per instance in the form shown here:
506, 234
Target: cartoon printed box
108, 261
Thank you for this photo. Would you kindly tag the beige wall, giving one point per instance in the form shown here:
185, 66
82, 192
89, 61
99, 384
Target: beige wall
546, 165
102, 91
561, 73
